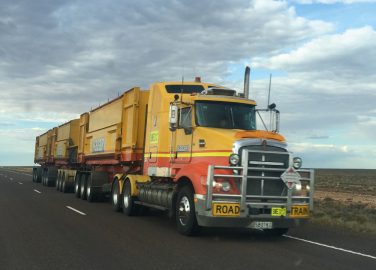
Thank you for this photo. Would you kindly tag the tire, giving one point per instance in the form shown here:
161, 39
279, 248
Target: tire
116, 196
44, 173
91, 193
63, 185
186, 221
77, 185
58, 181
128, 205
277, 232
38, 172
35, 175
83, 186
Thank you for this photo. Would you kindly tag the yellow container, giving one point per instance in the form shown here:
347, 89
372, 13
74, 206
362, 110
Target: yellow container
114, 131
67, 139
40, 148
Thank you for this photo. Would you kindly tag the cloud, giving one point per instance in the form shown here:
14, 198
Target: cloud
332, 1
334, 156
61, 58
56, 58
341, 61
329, 88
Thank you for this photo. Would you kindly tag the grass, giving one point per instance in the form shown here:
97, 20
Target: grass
353, 216
356, 217
23, 169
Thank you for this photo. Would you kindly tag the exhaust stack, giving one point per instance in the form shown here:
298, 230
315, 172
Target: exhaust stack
246, 82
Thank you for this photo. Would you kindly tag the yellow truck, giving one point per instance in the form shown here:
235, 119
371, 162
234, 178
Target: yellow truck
190, 148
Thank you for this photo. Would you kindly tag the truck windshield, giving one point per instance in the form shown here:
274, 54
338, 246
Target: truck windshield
227, 115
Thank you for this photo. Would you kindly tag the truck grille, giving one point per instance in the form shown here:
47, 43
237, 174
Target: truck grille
264, 168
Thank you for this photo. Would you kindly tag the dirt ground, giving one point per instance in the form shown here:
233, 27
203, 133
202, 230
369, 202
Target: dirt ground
346, 197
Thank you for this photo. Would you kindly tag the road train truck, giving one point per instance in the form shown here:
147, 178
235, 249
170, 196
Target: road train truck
191, 149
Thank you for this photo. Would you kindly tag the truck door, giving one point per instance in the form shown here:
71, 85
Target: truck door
182, 137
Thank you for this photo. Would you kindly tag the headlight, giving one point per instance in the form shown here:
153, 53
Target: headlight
298, 186
234, 159
226, 186
297, 162
223, 185
301, 189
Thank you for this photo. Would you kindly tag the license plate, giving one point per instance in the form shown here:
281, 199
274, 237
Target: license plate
262, 225
299, 211
226, 209
278, 212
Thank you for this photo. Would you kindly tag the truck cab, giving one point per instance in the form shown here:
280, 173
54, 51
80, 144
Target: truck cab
225, 171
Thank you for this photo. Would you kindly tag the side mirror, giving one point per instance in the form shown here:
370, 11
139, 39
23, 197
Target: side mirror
275, 121
173, 117
187, 130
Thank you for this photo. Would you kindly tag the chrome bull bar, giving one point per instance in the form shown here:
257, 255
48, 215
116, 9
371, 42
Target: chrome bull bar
247, 201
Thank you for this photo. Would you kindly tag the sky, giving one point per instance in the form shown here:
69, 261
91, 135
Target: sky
61, 58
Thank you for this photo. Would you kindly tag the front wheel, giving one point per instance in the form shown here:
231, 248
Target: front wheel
186, 221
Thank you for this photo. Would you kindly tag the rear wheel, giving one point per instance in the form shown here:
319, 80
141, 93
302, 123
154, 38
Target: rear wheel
116, 196
91, 193
38, 172
77, 185
83, 186
44, 175
186, 221
58, 180
35, 175
128, 205
64, 185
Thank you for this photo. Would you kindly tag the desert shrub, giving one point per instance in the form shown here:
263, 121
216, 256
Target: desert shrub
353, 216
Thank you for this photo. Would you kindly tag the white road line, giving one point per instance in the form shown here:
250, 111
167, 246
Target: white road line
332, 247
37, 191
75, 210
20, 183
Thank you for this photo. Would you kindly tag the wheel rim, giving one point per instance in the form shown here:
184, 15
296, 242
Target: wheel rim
126, 200
115, 198
82, 189
184, 210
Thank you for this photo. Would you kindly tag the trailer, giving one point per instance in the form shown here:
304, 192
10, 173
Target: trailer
191, 149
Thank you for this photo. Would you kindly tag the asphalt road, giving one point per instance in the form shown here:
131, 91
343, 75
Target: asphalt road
39, 231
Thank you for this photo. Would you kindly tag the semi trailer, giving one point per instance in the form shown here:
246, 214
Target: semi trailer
192, 149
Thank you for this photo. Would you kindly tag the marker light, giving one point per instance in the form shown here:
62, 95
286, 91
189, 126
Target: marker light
297, 162
234, 159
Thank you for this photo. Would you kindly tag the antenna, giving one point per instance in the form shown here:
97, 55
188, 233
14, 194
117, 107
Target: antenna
269, 107
181, 89
270, 85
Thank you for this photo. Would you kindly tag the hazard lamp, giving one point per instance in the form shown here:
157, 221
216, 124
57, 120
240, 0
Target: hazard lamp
297, 162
